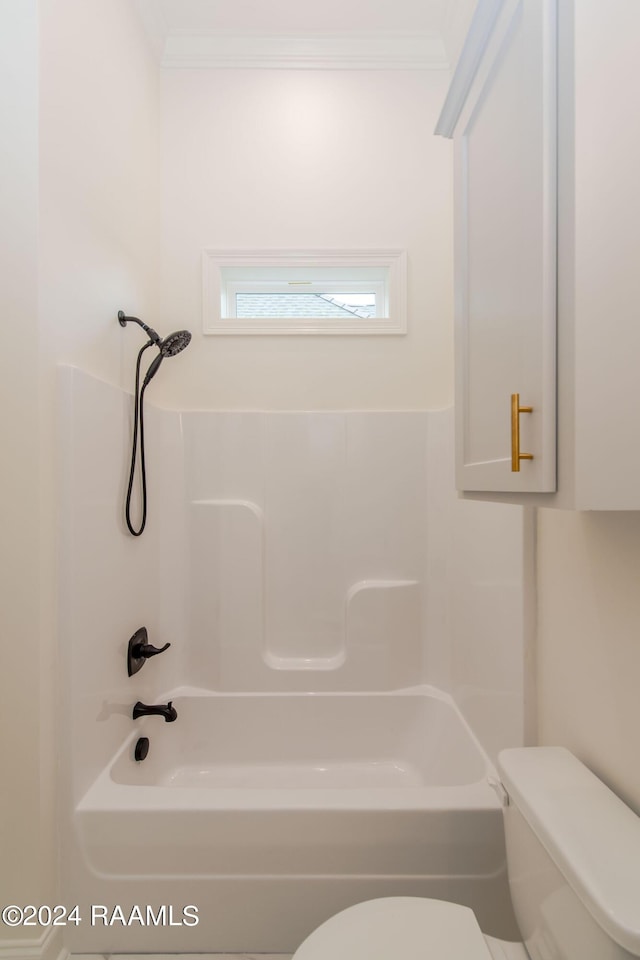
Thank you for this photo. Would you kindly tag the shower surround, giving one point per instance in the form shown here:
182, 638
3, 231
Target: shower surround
306, 564
334, 614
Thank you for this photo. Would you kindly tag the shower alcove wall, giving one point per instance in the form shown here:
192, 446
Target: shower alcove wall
346, 659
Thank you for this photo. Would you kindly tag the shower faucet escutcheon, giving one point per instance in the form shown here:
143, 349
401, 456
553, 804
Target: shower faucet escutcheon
166, 710
139, 651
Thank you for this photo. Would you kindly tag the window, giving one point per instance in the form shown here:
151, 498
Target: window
298, 292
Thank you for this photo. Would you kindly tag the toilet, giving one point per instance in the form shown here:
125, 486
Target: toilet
573, 857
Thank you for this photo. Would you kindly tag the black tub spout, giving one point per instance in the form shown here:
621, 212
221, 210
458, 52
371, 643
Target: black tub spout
166, 710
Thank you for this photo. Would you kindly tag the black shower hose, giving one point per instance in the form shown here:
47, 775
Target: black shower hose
138, 422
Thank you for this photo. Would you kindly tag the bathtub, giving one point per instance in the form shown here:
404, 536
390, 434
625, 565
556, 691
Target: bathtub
270, 812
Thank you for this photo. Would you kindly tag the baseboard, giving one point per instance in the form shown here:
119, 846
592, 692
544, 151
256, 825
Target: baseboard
48, 946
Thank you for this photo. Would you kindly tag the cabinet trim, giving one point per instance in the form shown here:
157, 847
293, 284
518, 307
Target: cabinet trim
482, 25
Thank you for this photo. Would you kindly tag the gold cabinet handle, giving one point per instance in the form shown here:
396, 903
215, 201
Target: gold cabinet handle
516, 410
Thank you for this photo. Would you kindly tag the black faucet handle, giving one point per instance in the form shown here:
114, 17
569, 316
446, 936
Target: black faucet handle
138, 651
147, 650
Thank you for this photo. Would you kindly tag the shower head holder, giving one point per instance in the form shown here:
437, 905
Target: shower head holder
123, 320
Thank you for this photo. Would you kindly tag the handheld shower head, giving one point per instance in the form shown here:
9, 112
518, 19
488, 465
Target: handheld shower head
169, 347
173, 344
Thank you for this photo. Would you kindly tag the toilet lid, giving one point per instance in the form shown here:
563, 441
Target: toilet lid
398, 928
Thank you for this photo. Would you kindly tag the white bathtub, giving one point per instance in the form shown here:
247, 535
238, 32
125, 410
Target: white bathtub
269, 812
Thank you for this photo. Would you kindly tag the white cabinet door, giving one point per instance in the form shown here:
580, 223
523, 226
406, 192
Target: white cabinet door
505, 147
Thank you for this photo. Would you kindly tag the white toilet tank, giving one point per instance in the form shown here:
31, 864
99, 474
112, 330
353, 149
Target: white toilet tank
573, 852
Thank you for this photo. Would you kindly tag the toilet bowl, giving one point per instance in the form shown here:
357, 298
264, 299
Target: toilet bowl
573, 856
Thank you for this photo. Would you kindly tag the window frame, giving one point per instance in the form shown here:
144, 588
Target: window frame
393, 261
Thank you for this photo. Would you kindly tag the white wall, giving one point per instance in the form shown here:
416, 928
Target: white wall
26, 843
98, 203
287, 158
99, 183
589, 641
79, 239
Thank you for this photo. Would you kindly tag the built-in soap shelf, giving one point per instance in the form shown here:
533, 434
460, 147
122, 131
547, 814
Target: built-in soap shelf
304, 663
246, 504
364, 585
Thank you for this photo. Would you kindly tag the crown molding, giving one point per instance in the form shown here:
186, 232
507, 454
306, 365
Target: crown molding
482, 25
393, 51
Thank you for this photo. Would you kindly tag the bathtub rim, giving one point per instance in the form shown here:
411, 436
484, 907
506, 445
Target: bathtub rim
106, 794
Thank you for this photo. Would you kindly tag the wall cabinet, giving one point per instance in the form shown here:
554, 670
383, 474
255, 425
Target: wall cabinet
547, 213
